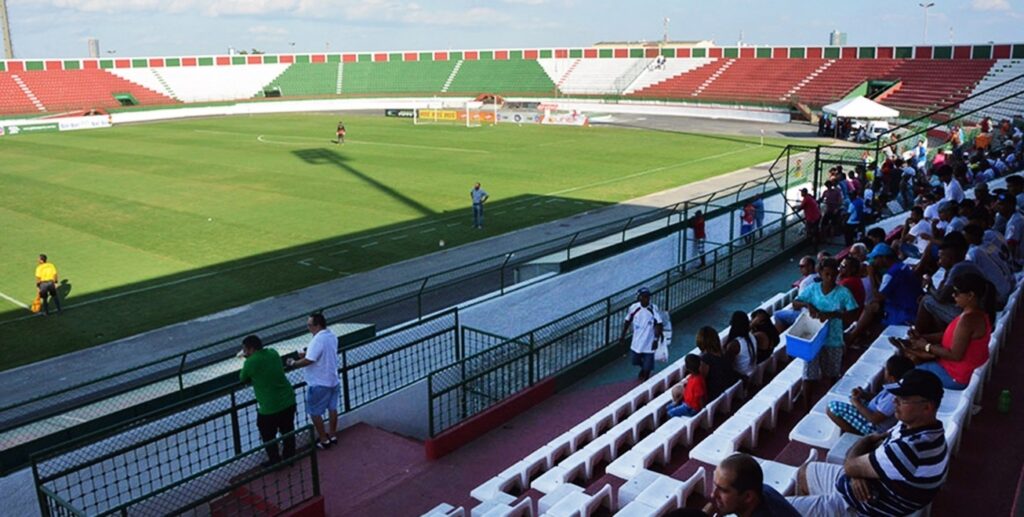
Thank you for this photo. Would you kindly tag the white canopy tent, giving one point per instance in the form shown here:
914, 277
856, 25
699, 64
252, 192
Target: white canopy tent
861, 108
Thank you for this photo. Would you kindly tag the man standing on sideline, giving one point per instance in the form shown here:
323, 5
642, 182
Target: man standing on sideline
479, 196
893, 473
645, 318
275, 399
46, 282
320, 368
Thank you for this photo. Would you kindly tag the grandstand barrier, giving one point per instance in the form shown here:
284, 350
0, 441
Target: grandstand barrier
468, 398
144, 480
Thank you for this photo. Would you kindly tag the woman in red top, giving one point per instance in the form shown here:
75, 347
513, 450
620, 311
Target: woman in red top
954, 354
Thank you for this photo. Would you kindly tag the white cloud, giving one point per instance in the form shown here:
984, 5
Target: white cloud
990, 5
266, 30
525, 2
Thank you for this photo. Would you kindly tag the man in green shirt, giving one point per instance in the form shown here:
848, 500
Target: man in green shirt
275, 398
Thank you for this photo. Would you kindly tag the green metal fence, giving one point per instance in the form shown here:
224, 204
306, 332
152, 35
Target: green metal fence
482, 380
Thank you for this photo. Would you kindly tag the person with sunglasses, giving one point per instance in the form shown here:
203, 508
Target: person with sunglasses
953, 355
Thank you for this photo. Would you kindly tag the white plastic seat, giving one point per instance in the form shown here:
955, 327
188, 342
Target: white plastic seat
500, 501
877, 356
582, 504
638, 509
641, 456
677, 430
766, 406
557, 475
780, 476
523, 508
552, 498
490, 489
445, 510
817, 430
634, 486
713, 449
822, 404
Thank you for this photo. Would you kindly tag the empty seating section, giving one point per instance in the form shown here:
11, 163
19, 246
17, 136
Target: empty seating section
63, 90
219, 83
671, 68
1002, 71
591, 76
145, 77
765, 80
12, 98
932, 84
840, 78
395, 77
306, 79
513, 76
684, 85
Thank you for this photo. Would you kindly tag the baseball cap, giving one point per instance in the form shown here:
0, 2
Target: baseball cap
881, 250
920, 383
643, 291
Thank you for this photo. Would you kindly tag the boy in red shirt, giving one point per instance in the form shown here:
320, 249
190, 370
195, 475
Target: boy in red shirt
699, 235
688, 396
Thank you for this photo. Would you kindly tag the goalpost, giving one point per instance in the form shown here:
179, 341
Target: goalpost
468, 113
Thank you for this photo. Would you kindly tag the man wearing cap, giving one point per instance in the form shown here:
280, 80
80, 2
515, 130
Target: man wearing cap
952, 190
895, 300
893, 473
645, 319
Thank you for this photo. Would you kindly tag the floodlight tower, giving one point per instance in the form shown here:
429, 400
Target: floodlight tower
925, 6
5, 26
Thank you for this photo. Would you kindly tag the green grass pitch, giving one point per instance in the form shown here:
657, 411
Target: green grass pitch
159, 223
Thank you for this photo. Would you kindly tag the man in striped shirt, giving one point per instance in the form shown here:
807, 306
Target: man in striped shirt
885, 474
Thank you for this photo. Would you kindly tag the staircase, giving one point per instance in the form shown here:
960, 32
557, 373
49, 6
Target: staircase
567, 73
28, 93
817, 71
451, 76
163, 82
714, 76
337, 89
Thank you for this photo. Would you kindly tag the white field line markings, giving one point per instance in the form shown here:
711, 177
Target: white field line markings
306, 261
12, 300
499, 212
398, 237
341, 252
452, 224
369, 244
428, 230
324, 268
528, 197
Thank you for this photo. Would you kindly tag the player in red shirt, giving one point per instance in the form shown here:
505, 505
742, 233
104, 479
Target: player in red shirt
340, 133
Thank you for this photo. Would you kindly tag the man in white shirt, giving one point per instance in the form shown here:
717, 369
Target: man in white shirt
1007, 207
645, 320
320, 370
952, 191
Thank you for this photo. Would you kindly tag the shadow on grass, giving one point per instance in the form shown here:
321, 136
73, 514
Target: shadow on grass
715, 136
110, 314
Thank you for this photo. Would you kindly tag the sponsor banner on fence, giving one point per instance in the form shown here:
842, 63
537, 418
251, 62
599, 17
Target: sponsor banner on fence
519, 117
94, 122
572, 118
18, 129
449, 115
401, 113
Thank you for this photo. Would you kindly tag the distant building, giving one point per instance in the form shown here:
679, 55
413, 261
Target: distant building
94, 47
837, 39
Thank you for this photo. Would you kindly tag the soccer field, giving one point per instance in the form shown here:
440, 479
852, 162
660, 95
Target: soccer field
159, 223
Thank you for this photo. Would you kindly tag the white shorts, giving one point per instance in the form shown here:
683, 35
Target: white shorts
825, 500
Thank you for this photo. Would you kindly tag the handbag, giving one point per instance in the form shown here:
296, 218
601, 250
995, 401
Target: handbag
661, 353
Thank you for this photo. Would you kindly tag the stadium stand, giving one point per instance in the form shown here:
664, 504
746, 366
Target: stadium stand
14, 98
211, 83
839, 78
929, 85
145, 77
395, 77
301, 79
671, 68
592, 76
1003, 70
684, 85
513, 76
764, 80
60, 90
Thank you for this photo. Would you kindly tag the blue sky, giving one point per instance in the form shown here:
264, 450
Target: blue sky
60, 28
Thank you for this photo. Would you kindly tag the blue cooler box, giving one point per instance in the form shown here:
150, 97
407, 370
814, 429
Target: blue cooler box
805, 338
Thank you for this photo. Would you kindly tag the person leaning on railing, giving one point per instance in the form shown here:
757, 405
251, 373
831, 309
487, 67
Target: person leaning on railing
275, 398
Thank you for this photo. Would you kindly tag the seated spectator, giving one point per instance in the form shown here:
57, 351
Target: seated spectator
765, 333
894, 473
875, 236
867, 413
1006, 207
739, 489
949, 220
952, 190
855, 217
715, 365
992, 259
953, 355
833, 304
690, 395
937, 307
785, 317
894, 302
849, 277
740, 345
859, 251
982, 196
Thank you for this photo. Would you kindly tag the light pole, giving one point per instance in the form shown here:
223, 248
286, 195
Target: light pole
925, 7
664, 31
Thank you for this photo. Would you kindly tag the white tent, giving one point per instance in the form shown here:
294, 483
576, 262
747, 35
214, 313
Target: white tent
860, 108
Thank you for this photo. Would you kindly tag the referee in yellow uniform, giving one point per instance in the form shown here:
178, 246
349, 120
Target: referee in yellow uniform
46, 282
